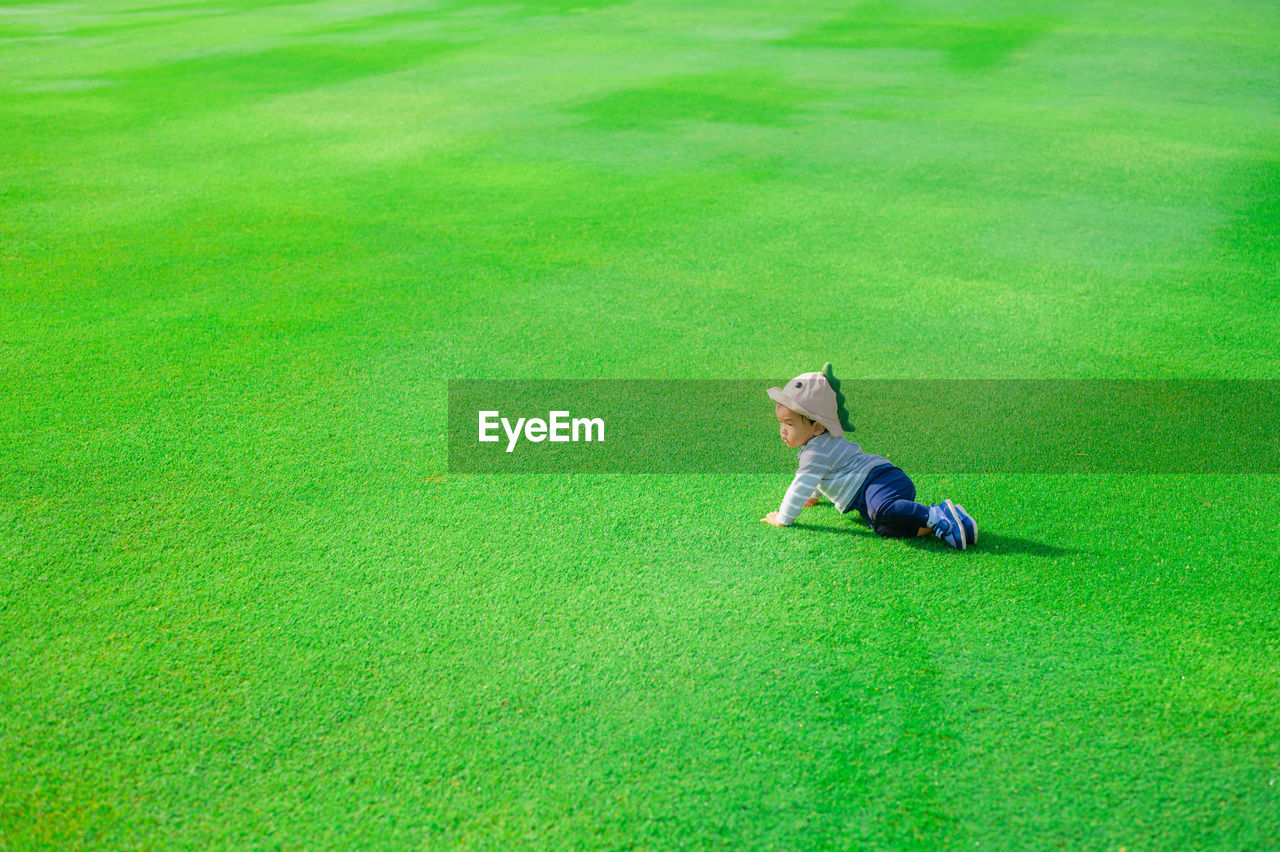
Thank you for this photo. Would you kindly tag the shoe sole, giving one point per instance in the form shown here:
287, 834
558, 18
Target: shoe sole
973, 539
954, 517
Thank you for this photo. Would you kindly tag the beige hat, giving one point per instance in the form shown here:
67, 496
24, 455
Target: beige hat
811, 395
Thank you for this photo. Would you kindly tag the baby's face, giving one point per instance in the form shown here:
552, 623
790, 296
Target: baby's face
796, 430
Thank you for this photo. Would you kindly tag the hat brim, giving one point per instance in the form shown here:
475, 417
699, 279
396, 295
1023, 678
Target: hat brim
783, 398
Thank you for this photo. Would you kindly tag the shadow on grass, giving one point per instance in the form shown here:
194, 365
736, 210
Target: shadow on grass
996, 544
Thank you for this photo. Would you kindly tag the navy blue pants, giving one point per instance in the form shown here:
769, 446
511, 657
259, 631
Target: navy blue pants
888, 504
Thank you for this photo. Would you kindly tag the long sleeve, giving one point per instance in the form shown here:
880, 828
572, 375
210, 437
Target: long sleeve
802, 487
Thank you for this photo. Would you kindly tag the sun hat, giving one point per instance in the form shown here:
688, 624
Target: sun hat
811, 394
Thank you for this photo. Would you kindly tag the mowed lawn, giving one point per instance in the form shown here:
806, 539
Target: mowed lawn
244, 247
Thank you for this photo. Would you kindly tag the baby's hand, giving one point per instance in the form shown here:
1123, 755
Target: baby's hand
772, 518
811, 502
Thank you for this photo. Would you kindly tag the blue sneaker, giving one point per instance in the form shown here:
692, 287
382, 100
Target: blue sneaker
970, 525
953, 524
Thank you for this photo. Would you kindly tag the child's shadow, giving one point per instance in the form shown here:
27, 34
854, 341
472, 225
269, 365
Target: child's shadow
988, 542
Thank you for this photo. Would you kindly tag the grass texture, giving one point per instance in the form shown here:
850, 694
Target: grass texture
245, 246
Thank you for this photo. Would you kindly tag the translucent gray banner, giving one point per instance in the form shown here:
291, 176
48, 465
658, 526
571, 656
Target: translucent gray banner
925, 426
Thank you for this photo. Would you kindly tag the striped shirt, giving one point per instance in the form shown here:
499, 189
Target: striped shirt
834, 466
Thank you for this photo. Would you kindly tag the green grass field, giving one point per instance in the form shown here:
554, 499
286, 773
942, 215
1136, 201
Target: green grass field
245, 247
